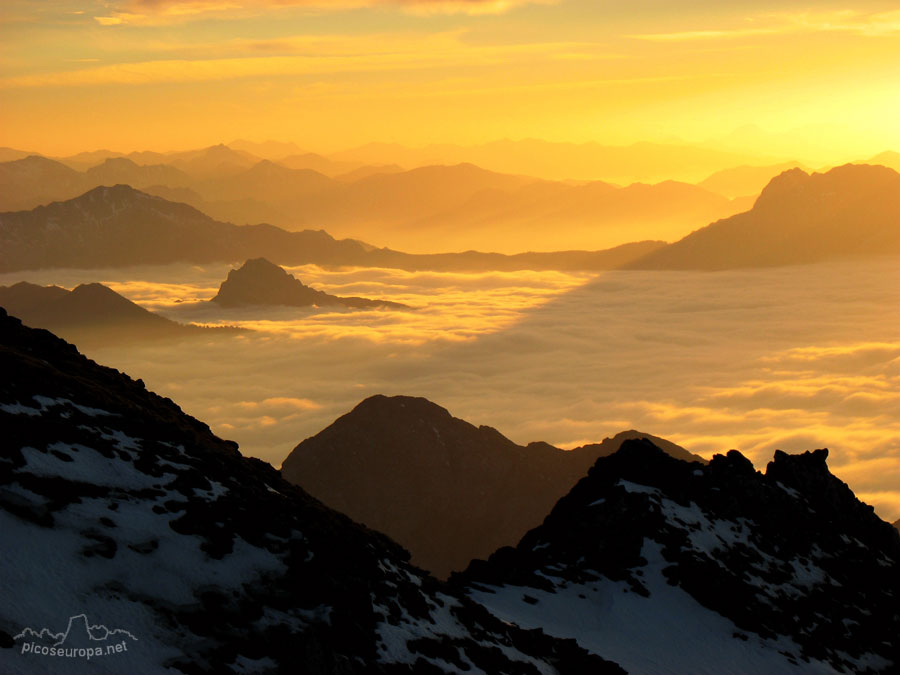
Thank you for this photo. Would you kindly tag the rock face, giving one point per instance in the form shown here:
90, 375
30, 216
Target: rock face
897, 523
448, 491
260, 282
852, 211
670, 567
126, 520
91, 315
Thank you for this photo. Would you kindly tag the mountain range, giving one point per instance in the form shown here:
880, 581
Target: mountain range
260, 282
425, 209
121, 505
92, 315
446, 490
120, 226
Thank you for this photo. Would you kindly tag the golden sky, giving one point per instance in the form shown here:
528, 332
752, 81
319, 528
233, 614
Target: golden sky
331, 74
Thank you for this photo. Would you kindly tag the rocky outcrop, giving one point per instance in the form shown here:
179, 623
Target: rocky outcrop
783, 568
445, 489
126, 518
260, 282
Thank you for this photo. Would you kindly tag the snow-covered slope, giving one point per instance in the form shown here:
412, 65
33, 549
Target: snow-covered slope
668, 567
129, 529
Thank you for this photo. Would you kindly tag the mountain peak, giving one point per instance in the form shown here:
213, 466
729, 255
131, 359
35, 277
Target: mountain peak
261, 282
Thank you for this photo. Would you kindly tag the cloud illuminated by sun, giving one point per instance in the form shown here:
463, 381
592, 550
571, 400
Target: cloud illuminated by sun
155, 12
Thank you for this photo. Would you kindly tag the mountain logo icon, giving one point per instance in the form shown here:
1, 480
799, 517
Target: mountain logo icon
79, 639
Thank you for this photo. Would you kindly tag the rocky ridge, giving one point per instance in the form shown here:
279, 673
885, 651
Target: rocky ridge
130, 513
445, 489
782, 571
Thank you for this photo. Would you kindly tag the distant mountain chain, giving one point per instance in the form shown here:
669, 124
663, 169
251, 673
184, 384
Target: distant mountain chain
848, 212
123, 506
426, 209
444, 489
120, 226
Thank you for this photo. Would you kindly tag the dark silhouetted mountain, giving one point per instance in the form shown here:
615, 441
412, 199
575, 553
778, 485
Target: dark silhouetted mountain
91, 315
260, 282
666, 566
741, 181
119, 226
446, 490
120, 170
33, 180
850, 212
128, 509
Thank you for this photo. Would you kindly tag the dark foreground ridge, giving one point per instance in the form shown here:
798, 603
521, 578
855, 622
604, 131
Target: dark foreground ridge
260, 282
665, 566
117, 507
446, 490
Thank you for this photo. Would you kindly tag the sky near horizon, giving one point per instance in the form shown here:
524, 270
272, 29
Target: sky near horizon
812, 81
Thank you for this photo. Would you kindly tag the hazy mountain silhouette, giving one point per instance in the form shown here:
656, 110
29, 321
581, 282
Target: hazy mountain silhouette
91, 314
444, 489
211, 560
11, 154
644, 162
897, 523
260, 282
268, 182
551, 215
33, 180
742, 181
316, 162
273, 150
889, 159
647, 552
119, 226
852, 211
366, 171
121, 170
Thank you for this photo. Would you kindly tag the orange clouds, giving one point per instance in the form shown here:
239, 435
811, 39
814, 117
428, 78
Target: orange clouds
154, 12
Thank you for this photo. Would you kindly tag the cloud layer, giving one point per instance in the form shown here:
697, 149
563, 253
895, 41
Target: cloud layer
791, 358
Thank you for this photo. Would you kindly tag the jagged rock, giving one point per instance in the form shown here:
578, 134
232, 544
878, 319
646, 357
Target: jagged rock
740, 571
129, 521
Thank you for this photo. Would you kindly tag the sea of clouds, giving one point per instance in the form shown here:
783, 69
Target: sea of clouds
795, 358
